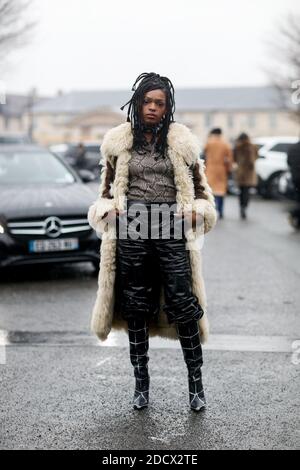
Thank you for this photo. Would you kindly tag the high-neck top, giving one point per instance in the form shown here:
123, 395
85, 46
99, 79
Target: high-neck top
149, 179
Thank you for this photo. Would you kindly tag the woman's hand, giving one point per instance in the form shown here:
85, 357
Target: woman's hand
111, 215
191, 217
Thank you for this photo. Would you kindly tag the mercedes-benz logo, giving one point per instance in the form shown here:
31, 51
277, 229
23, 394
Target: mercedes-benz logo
53, 227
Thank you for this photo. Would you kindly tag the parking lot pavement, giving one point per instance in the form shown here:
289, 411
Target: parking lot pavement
61, 388
60, 397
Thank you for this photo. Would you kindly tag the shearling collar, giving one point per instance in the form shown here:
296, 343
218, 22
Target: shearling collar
180, 140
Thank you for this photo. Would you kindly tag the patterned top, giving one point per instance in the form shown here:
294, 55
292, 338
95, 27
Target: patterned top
149, 179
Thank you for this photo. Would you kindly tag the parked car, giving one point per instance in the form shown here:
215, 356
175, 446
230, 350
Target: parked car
59, 149
43, 210
92, 155
272, 163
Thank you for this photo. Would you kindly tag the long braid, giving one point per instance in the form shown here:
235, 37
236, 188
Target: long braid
150, 81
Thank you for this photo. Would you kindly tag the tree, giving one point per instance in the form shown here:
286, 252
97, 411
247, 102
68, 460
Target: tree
15, 30
284, 72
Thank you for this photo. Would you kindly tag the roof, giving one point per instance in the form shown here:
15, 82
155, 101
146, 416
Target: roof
190, 99
22, 148
15, 105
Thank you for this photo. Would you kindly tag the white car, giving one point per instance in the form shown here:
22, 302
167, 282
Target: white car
272, 162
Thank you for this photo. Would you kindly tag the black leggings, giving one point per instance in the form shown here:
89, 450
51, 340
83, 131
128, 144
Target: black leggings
244, 196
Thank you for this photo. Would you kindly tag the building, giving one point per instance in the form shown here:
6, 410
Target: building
15, 114
87, 115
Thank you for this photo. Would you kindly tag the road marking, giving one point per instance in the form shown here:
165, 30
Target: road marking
3, 342
217, 342
250, 343
103, 361
161, 439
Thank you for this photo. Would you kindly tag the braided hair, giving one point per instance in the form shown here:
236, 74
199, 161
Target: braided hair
150, 81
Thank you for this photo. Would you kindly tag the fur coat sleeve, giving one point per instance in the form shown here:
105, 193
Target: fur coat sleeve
204, 202
105, 202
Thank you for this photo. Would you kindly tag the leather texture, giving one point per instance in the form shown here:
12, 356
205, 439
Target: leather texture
189, 337
144, 263
138, 333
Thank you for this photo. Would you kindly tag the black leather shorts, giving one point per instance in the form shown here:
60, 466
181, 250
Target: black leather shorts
150, 220
143, 264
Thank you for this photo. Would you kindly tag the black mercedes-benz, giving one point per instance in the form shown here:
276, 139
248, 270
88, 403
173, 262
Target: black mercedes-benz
43, 209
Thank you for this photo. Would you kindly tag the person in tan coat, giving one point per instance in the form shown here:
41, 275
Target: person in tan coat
244, 155
218, 160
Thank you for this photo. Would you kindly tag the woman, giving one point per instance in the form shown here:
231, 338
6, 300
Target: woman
244, 155
218, 160
153, 285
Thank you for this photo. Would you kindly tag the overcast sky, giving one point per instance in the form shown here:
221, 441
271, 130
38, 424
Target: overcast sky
96, 44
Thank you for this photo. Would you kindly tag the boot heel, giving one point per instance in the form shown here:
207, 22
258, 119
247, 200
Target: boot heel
141, 394
139, 344
140, 400
196, 395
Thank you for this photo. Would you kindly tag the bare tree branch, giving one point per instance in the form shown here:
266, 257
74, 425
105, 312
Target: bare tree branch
15, 29
284, 68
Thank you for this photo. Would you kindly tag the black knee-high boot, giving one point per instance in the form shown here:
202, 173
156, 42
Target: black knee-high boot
189, 337
138, 334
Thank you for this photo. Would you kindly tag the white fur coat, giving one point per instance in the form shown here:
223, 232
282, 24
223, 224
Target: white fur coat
183, 150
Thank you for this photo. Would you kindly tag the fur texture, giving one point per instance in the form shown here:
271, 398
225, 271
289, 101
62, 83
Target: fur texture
183, 150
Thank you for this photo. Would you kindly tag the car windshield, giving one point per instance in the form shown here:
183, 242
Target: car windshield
17, 167
281, 147
93, 148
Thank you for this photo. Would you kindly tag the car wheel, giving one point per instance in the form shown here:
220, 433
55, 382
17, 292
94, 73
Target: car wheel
272, 190
96, 265
261, 188
294, 221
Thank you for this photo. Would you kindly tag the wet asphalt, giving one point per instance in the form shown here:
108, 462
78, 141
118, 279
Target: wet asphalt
63, 389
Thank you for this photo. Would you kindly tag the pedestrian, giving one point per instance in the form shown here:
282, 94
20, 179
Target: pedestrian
218, 160
80, 157
244, 155
153, 286
293, 161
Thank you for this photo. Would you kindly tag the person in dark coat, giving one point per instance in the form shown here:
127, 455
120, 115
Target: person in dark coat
244, 154
293, 161
80, 157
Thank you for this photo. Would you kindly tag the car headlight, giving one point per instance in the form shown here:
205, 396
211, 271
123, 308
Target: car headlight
1, 229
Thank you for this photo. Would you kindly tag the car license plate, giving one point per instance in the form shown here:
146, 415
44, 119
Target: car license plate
63, 244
